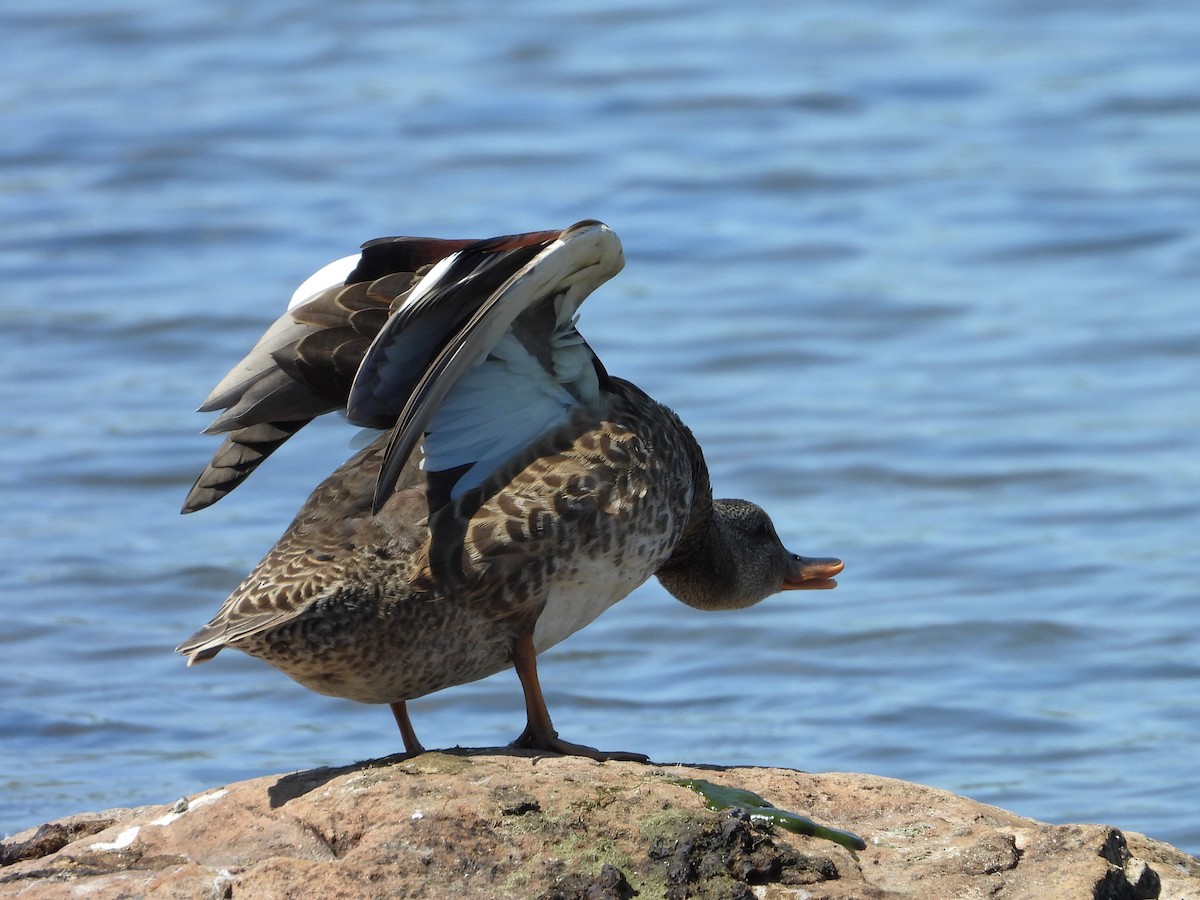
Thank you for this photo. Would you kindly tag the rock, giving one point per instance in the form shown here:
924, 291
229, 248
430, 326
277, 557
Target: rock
501, 824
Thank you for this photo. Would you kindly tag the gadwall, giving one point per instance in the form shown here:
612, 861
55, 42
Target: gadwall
517, 492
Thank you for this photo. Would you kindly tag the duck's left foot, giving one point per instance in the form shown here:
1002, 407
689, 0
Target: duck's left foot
552, 743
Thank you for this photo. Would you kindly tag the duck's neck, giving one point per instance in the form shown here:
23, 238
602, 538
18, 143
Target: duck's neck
700, 573
700, 570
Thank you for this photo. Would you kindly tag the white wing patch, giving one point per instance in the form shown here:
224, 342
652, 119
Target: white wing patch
430, 280
328, 276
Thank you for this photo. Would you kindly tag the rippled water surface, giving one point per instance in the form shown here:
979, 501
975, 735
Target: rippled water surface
922, 279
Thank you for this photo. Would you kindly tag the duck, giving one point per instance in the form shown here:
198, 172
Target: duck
515, 490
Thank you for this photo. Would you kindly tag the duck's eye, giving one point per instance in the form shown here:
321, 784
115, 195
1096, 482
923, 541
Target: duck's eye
761, 530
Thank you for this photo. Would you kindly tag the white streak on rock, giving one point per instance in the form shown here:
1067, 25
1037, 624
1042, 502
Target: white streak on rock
124, 839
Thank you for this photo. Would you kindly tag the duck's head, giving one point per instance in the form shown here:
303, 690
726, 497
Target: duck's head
743, 561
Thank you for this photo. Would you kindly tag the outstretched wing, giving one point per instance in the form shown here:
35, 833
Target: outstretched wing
502, 375
387, 335
304, 365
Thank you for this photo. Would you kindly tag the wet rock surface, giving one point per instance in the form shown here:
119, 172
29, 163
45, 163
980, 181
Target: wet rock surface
502, 824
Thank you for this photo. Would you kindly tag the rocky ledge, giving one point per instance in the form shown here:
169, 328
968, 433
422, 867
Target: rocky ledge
500, 824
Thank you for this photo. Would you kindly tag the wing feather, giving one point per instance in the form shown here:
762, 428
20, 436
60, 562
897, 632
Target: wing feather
579, 260
390, 335
305, 363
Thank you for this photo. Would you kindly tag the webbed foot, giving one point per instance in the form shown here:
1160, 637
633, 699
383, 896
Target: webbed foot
552, 743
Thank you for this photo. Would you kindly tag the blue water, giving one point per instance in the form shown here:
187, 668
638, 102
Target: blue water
922, 277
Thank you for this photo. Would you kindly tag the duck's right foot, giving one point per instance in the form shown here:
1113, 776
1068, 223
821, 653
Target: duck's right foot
552, 743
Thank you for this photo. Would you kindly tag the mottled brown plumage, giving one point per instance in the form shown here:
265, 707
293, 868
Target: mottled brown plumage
466, 570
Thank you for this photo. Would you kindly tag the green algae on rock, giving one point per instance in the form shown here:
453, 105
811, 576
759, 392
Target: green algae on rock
718, 796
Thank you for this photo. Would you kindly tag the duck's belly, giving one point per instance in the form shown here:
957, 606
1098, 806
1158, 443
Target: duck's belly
570, 608
577, 599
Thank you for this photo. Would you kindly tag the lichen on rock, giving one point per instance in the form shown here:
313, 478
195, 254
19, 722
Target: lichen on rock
504, 824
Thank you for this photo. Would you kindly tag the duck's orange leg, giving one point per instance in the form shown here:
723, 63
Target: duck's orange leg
539, 733
412, 746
